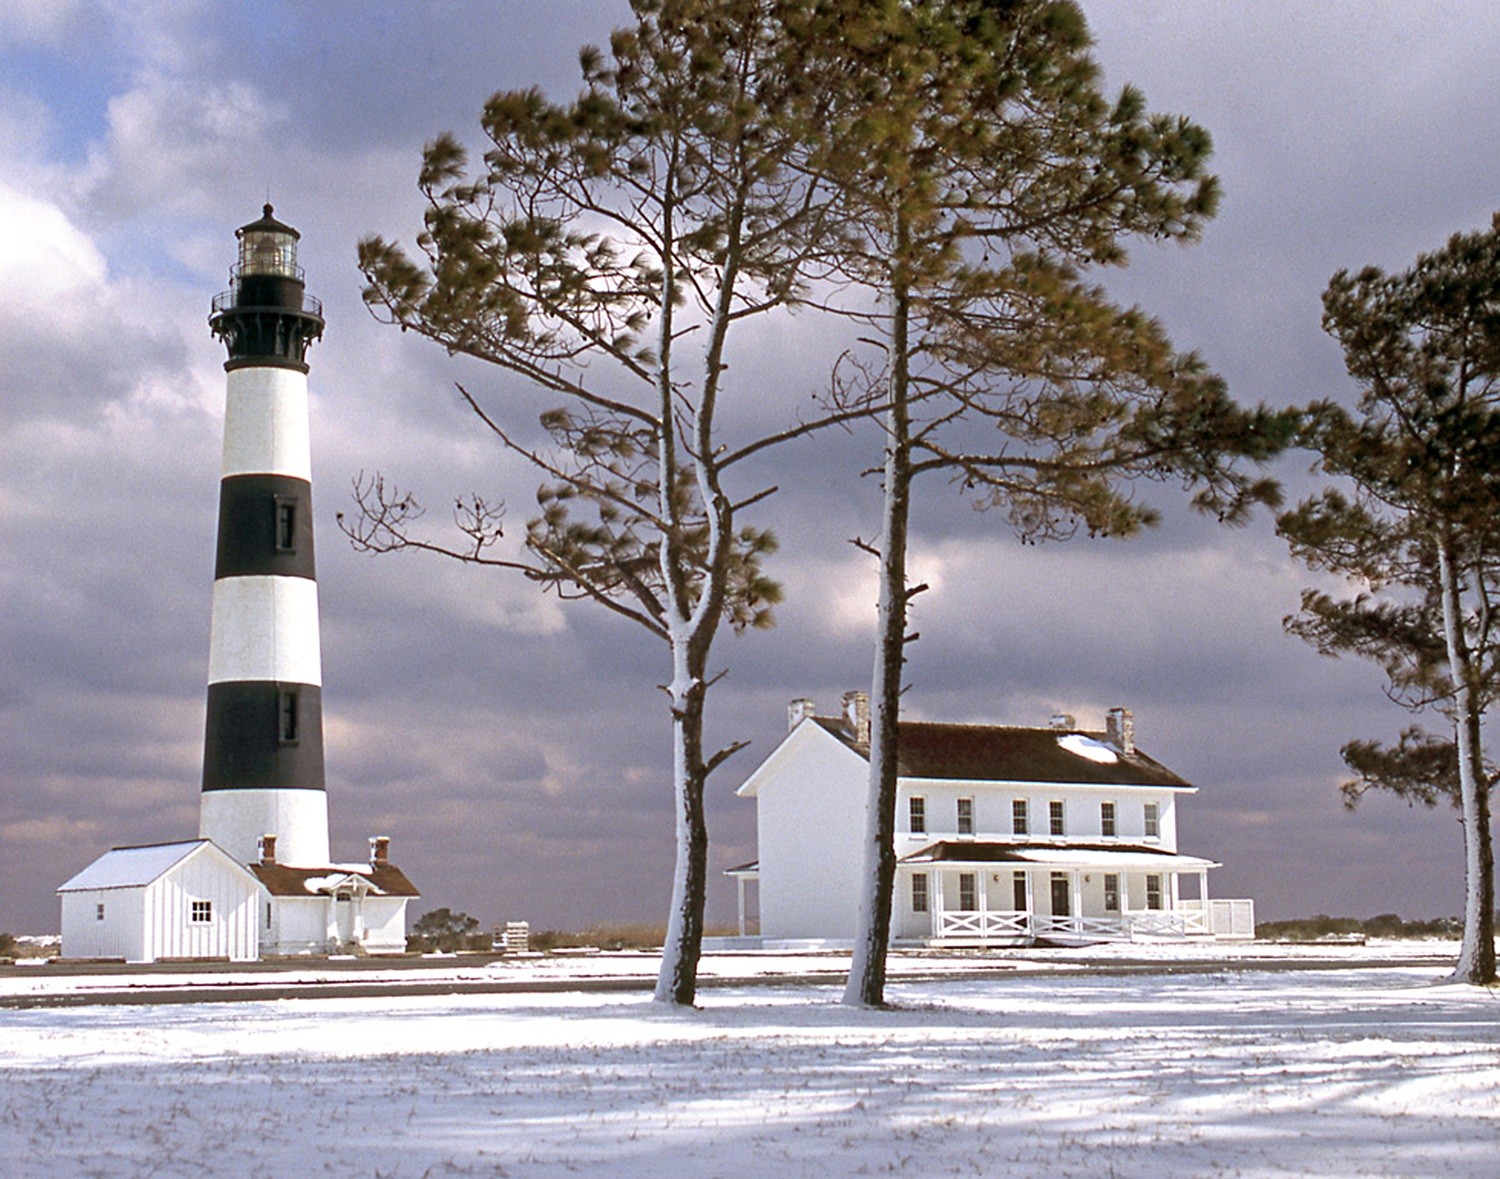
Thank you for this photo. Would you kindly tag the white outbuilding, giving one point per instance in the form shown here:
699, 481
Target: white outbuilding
163, 900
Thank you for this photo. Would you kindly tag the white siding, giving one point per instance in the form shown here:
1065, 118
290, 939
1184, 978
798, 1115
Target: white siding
811, 819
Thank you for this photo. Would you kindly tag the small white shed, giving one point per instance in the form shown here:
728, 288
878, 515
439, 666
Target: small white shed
163, 900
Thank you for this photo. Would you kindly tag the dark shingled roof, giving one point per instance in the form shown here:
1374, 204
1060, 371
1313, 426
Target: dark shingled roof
281, 880
1004, 753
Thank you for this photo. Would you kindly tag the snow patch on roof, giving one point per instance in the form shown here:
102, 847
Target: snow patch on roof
132, 867
327, 884
1088, 748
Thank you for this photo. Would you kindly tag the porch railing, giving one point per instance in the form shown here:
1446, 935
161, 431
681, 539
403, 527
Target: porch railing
1011, 925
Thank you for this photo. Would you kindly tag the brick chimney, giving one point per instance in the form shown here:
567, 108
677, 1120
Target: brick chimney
1119, 728
798, 711
380, 850
857, 716
267, 849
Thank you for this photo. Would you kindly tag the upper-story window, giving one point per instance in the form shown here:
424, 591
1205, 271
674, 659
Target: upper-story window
1020, 823
1055, 817
286, 524
288, 723
1153, 821
1106, 818
916, 814
966, 816
99, 911
201, 911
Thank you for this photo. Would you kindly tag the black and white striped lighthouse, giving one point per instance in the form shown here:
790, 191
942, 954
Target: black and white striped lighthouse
263, 743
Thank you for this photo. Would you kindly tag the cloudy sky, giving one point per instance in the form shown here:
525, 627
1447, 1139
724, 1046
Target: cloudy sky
515, 747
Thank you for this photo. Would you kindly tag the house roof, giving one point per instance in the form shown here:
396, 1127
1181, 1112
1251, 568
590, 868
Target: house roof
1100, 855
132, 867
1012, 753
283, 880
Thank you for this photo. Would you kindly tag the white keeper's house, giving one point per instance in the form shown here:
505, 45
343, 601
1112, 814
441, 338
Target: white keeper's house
1005, 835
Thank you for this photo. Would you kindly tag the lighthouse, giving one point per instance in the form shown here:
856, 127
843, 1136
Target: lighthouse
263, 740
258, 880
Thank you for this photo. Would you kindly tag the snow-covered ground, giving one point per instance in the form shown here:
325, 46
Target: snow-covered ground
1372, 1069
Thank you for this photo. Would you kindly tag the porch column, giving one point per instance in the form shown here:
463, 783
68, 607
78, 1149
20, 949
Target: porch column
935, 900
983, 888
1174, 890
740, 888
1075, 886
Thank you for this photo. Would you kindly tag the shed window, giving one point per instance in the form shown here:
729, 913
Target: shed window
1106, 818
1019, 824
99, 911
201, 911
1153, 821
1055, 817
916, 813
966, 816
919, 892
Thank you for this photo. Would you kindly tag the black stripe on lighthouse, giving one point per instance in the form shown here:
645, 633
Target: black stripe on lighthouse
265, 527
263, 735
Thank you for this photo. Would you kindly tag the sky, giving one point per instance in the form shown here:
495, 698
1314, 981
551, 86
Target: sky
516, 748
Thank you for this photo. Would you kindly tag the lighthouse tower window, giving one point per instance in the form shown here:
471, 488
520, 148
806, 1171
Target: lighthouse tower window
287, 728
286, 524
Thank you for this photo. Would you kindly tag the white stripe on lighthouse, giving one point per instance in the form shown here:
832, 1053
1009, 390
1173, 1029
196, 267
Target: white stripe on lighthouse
266, 429
265, 628
236, 819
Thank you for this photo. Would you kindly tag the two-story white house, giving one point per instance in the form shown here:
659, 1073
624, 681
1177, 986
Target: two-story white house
1004, 835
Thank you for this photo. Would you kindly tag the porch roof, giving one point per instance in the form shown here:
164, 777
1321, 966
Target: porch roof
1103, 856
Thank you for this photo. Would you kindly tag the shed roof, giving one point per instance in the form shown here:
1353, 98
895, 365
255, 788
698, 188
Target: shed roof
282, 880
1013, 753
132, 867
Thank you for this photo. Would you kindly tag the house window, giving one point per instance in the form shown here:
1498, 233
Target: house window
1018, 892
1055, 817
99, 911
1106, 818
919, 892
968, 892
201, 911
1153, 892
1018, 820
287, 727
268, 914
1153, 821
916, 811
1111, 893
286, 524
966, 816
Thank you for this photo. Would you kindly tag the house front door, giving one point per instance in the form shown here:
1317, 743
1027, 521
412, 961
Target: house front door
1060, 894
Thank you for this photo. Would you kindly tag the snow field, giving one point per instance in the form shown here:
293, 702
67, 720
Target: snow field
1365, 1071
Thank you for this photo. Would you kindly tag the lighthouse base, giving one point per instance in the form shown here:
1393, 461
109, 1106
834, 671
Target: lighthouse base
236, 820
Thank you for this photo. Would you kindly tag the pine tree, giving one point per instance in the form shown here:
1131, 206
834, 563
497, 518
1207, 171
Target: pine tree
606, 251
1421, 525
983, 172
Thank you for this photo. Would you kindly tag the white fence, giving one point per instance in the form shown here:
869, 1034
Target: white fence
1223, 919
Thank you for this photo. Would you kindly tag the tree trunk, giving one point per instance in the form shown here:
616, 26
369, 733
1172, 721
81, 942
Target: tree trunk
677, 980
866, 984
1476, 953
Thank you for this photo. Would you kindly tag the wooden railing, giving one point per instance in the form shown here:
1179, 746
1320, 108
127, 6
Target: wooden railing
1007, 925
